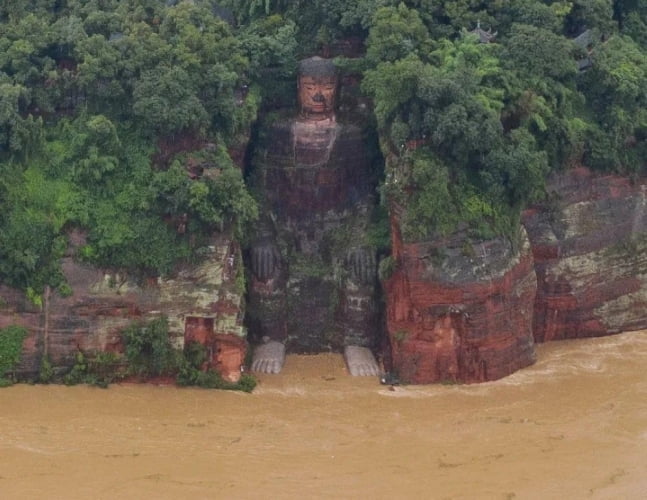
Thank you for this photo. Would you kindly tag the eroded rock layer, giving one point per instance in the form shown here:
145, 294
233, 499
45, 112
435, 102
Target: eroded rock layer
456, 311
590, 250
202, 303
460, 311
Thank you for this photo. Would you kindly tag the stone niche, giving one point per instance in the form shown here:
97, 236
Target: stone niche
460, 316
203, 302
313, 271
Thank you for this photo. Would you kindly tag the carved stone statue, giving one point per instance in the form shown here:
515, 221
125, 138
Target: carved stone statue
313, 272
317, 88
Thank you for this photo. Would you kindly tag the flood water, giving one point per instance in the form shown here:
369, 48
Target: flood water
574, 425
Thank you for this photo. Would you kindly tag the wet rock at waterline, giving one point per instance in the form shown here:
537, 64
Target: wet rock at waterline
457, 316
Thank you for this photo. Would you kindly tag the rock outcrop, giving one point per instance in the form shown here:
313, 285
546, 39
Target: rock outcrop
590, 251
202, 303
460, 311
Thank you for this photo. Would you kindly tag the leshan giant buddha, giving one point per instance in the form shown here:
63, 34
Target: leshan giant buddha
313, 269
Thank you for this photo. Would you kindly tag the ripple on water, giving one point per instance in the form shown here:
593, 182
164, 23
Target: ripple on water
410, 392
284, 391
581, 356
556, 360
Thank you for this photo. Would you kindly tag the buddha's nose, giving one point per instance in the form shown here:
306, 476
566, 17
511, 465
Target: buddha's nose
318, 97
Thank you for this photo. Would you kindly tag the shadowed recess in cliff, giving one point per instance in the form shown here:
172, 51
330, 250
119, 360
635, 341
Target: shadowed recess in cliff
312, 262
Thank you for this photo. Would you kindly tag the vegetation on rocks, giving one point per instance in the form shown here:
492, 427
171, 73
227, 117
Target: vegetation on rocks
118, 119
470, 130
102, 105
99, 369
11, 339
97, 99
191, 372
149, 353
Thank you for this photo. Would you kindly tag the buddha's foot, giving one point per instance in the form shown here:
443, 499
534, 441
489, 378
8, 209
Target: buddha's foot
268, 357
360, 361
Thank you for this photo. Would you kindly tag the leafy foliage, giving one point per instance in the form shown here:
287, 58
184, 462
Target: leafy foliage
148, 348
93, 93
100, 369
192, 374
150, 353
470, 130
11, 339
616, 88
86, 91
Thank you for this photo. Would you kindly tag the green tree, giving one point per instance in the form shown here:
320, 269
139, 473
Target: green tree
165, 102
19, 135
616, 88
396, 32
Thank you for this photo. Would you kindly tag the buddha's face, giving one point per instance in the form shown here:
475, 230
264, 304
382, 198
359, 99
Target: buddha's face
317, 95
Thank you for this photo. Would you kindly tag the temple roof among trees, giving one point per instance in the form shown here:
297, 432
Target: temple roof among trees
585, 41
484, 36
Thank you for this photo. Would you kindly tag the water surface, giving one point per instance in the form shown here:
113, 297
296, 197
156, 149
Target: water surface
574, 425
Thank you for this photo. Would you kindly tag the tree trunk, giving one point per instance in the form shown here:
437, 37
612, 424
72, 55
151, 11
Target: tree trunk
46, 295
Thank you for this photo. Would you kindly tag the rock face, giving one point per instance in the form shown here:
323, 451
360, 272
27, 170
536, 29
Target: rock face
459, 312
456, 311
202, 303
313, 276
590, 251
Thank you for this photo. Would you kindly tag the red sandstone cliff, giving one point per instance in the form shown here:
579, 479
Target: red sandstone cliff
590, 256
455, 311
102, 304
459, 316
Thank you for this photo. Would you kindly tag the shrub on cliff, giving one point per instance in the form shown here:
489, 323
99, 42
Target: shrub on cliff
98, 368
149, 353
492, 119
148, 349
11, 339
88, 88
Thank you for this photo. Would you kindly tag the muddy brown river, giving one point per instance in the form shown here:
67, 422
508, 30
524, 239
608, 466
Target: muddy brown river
572, 426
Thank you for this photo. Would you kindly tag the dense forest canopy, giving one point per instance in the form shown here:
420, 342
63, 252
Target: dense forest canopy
104, 104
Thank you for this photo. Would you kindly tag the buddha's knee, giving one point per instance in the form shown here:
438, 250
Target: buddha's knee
265, 261
361, 265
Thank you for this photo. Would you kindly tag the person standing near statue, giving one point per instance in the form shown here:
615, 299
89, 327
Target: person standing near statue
313, 285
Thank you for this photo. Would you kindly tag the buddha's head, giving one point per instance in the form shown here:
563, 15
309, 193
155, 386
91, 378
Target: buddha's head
317, 86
